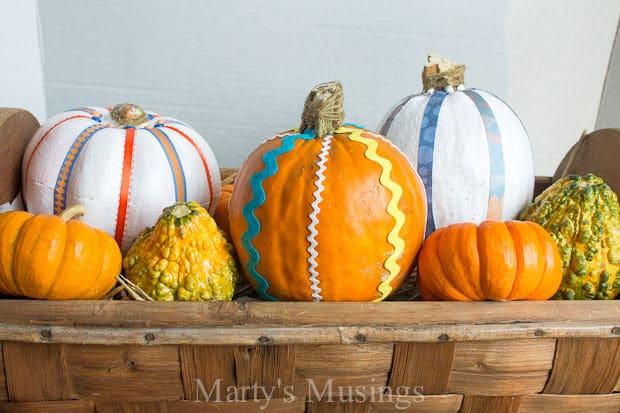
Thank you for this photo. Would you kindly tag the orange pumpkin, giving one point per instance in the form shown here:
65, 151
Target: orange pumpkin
496, 260
221, 210
53, 257
332, 212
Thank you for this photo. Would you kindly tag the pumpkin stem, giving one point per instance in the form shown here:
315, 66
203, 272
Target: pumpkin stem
72, 212
128, 114
441, 74
323, 109
180, 210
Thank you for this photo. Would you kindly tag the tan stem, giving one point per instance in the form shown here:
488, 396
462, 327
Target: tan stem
439, 73
323, 109
128, 114
72, 212
180, 210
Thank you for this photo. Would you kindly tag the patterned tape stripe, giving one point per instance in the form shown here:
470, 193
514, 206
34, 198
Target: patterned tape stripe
496, 156
64, 174
45, 135
390, 119
174, 162
258, 198
426, 150
398, 244
121, 214
203, 159
92, 112
320, 175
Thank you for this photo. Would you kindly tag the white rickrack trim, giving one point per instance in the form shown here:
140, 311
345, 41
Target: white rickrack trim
314, 275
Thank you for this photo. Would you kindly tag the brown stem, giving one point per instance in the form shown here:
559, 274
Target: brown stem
439, 73
128, 114
323, 109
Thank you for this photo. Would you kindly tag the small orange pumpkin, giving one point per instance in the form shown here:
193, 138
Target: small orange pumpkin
496, 260
53, 257
221, 210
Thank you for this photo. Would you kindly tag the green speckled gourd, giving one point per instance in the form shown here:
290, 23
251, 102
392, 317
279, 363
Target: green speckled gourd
583, 216
183, 257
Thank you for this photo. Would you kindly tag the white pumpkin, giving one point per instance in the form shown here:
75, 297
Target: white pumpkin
123, 164
471, 150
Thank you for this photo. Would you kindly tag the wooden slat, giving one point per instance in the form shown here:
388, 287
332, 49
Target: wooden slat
65, 406
501, 368
124, 372
265, 371
332, 369
204, 369
127, 314
287, 405
585, 366
35, 372
424, 366
337, 407
449, 403
477, 404
4, 392
551, 403
617, 389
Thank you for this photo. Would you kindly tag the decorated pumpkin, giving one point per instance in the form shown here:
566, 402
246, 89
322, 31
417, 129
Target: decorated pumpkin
55, 257
495, 260
328, 212
469, 147
183, 257
583, 216
124, 164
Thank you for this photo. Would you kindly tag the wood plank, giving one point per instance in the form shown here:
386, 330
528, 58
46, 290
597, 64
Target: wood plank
205, 369
585, 366
449, 403
124, 372
421, 366
552, 403
35, 372
617, 389
501, 368
64, 406
337, 407
4, 392
326, 370
127, 313
477, 404
265, 371
183, 406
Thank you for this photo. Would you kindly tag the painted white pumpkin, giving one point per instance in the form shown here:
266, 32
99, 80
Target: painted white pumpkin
471, 150
123, 164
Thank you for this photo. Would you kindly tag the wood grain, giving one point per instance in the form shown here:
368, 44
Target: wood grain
4, 392
424, 366
265, 369
334, 369
501, 368
17, 126
250, 406
203, 367
478, 404
124, 372
35, 372
585, 366
449, 403
551, 403
64, 406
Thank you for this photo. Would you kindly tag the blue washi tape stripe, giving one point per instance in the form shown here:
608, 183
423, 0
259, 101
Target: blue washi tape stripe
496, 155
258, 198
426, 150
174, 162
66, 169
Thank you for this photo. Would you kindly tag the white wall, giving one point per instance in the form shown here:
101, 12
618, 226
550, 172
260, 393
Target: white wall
21, 70
238, 71
609, 114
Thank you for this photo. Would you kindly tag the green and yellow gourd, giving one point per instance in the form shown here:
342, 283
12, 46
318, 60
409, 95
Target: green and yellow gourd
583, 217
183, 257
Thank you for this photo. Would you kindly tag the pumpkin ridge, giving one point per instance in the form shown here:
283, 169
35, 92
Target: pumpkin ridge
312, 231
387, 124
258, 198
172, 156
393, 238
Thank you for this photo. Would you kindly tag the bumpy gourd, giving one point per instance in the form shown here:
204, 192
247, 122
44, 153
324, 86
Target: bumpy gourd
183, 257
583, 216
